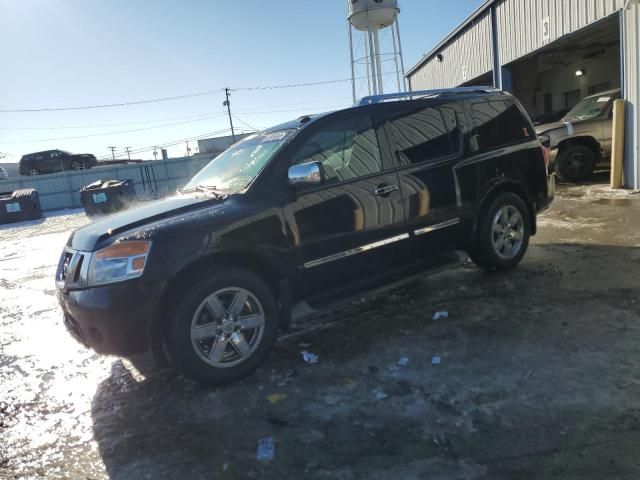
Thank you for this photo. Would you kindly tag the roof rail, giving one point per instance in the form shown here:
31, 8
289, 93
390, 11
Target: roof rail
370, 100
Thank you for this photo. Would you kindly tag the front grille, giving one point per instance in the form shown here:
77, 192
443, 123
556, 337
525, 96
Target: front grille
70, 269
65, 264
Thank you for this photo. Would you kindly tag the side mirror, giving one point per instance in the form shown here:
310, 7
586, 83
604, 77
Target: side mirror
306, 174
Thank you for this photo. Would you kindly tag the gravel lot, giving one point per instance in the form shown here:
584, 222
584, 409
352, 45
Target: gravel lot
538, 374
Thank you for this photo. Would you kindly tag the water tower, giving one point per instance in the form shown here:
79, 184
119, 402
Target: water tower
376, 51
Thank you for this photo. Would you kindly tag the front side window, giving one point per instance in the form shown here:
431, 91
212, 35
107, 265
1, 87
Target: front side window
234, 169
498, 123
425, 135
347, 149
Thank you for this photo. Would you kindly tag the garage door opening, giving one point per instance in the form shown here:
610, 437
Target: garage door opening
553, 80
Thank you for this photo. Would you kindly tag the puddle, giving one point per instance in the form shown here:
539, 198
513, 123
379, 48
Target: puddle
616, 202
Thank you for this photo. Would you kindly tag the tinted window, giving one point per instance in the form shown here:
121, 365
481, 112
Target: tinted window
425, 135
498, 123
347, 149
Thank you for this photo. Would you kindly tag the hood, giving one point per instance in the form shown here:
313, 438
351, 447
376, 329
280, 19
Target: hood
86, 238
547, 127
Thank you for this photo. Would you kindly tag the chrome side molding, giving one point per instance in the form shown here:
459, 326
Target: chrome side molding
437, 226
355, 251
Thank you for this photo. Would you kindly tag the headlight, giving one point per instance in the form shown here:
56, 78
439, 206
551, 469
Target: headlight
118, 262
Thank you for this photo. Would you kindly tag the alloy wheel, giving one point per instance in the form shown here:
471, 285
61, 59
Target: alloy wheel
507, 232
227, 327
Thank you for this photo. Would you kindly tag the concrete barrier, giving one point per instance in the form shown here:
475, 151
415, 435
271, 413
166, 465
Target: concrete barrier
62, 190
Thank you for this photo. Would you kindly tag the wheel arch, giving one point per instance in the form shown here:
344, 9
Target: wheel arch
586, 140
263, 265
505, 186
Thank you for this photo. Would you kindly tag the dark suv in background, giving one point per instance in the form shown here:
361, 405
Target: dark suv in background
301, 216
53, 161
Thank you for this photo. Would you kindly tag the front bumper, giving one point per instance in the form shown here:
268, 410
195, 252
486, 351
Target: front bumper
112, 319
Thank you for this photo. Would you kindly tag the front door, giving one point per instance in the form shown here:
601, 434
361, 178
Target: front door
349, 231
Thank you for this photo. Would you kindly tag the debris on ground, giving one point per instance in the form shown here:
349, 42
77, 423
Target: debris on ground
379, 394
276, 397
441, 314
435, 361
403, 361
309, 357
266, 449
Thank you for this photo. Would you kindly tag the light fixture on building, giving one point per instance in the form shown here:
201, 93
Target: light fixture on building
579, 73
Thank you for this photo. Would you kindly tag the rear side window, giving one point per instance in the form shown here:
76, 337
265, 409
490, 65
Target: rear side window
425, 135
347, 149
497, 123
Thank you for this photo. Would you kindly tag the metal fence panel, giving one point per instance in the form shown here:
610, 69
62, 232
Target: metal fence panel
62, 190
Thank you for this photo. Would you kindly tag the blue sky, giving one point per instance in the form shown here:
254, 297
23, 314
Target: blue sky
75, 52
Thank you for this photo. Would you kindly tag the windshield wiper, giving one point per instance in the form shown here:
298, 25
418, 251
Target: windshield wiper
210, 190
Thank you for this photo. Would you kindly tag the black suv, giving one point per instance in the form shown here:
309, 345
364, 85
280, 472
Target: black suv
304, 215
53, 161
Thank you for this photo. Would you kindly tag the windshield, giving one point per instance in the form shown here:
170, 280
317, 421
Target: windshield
234, 169
588, 108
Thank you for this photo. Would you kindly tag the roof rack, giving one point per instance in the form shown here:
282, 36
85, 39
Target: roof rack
370, 100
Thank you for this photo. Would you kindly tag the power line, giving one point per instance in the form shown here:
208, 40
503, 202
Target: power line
104, 125
171, 143
175, 97
119, 132
245, 123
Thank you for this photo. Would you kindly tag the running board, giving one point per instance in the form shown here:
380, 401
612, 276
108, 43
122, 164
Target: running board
302, 309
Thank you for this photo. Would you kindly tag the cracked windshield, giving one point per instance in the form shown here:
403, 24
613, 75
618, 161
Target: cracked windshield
348, 239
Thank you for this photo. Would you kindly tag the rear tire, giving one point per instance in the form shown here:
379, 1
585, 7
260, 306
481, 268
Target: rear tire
576, 163
224, 327
504, 228
34, 172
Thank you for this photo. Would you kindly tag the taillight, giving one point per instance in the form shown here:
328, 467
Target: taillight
546, 149
546, 154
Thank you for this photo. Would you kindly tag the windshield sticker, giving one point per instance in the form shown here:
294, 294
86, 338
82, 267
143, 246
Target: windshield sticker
604, 99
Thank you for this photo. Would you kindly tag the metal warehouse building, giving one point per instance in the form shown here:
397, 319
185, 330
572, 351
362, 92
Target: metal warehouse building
550, 54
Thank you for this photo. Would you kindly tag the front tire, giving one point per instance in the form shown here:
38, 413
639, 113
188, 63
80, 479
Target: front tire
576, 163
504, 228
224, 327
34, 172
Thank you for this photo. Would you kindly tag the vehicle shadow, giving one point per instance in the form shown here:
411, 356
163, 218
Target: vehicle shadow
537, 367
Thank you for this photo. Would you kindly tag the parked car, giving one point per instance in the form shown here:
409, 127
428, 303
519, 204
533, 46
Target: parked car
301, 216
582, 139
53, 161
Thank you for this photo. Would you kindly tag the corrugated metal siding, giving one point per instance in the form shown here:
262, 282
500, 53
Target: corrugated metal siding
520, 22
632, 95
472, 49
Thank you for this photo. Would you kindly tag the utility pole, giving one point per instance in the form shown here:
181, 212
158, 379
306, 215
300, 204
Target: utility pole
128, 149
155, 153
228, 105
113, 152
188, 149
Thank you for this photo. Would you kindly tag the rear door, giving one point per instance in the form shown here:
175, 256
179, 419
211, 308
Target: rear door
427, 142
350, 230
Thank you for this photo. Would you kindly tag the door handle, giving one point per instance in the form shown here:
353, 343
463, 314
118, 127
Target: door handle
384, 190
